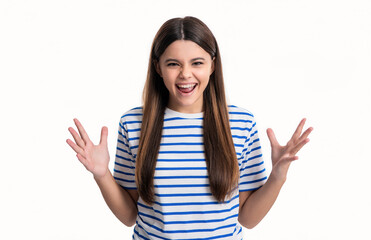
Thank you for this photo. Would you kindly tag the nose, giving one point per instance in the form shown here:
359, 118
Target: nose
185, 72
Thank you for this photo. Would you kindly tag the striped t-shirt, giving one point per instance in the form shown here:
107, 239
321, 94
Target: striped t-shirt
184, 207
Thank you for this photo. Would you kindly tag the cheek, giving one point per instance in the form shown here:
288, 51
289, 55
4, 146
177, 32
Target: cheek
169, 80
170, 75
167, 83
203, 76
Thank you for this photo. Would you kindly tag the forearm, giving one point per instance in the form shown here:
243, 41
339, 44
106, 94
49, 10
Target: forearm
259, 202
117, 199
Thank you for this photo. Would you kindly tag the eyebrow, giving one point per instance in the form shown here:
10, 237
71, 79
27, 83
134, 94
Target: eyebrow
175, 60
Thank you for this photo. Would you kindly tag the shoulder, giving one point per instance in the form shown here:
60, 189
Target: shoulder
241, 120
134, 114
238, 112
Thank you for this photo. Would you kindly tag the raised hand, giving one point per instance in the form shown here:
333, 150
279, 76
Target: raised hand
95, 158
282, 156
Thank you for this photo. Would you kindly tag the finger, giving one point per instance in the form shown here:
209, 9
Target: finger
305, 134
272, 137
284, 162
76, 148
301, 144
83, 161
82, 131
103, 136
290, 158
76, 137
298, 129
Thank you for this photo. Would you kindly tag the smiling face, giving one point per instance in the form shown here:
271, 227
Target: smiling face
185, 68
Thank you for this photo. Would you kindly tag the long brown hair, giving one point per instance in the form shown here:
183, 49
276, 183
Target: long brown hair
221, 159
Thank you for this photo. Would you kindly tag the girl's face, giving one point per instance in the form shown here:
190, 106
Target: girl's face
185, 68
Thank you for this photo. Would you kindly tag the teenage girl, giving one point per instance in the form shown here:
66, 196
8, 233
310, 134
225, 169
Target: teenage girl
188, 166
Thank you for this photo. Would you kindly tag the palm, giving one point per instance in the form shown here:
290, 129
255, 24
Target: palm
282, 156
277, 153
95, 158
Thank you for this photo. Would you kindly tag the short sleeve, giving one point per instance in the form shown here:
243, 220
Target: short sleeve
124, 168
252, 170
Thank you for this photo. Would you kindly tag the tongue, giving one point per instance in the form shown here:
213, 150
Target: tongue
186, 90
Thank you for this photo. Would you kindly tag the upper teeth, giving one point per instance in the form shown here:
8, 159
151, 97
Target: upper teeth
187, 85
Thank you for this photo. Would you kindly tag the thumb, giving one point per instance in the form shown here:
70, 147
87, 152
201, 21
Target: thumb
290, 158
272, 137
103, 136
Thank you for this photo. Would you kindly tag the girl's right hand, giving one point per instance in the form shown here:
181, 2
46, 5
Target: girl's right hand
95, 158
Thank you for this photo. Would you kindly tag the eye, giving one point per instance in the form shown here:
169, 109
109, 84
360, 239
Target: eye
172, 64
198, 63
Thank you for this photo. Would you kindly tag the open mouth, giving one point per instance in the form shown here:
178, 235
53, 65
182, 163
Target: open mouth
186, 88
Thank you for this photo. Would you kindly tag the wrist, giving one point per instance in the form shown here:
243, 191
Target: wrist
100, 177
279, 172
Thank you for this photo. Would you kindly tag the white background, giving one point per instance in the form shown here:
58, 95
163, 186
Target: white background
283, 60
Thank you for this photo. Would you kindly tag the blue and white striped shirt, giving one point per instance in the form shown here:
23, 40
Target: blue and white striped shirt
184, 207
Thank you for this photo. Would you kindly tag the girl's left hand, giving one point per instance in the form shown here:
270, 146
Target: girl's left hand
282, 156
